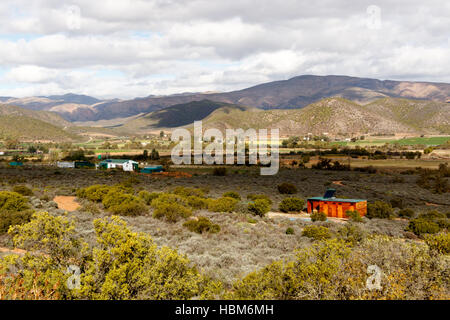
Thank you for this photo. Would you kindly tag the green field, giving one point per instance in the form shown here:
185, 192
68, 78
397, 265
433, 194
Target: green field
428, 141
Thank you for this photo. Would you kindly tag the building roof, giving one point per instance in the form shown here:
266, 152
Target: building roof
117, 161
336, 199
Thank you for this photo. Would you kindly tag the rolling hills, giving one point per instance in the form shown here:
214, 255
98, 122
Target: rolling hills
178, 115
294, 93
27, 128
336, 116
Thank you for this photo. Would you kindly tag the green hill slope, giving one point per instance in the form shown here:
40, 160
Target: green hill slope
177, 115
341, 116
27, 128
46, 116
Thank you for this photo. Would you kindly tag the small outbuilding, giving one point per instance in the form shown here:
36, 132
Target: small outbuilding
125, 165
152, 169
336, 207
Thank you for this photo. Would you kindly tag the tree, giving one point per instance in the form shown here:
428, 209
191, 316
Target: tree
154, 155
161, 134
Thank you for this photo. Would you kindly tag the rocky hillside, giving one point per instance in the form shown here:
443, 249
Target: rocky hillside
294, 93
341, 116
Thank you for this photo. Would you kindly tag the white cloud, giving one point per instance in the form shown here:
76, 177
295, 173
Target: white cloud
169, 46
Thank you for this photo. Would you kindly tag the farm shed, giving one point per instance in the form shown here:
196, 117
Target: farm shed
152, 169
84, 164
336, 207
125, 165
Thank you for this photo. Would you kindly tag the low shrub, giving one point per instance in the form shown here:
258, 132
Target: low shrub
90, 207
318, 216
171, 212
94, 193
406, 213
202, 225
124, 204
259, 196
291, 205
439, 242
232, 194
197, 203
220, 171
352, 234
289, 230
421, 226
168, 198
287, 188
224, 204
187, 192
397, 203
316, 232
12, 218
12, 201
259, 207
148, 197
353, 216
379, 209
432, 215
23, 190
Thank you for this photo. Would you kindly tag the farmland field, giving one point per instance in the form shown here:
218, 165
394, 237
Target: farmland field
427, 141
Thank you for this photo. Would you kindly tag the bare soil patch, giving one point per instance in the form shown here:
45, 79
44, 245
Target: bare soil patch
67, 203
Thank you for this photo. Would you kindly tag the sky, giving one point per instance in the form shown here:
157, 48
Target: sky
136, 48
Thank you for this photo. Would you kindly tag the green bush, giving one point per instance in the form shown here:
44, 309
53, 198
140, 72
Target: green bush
316, 232
353, 216
259, 196
123, 204
406, 213
318, 216
94, 193
169, 198
187, 192
12, 201
23, 190
379, 209
421, 226
220, 171
202, 225
259, 207
232, 194
439, 242
289, 230
12, 218
197, 203
90, 207
352, 234
98, 192
291, 205
224, 204
397, 202
432, 215
172, 212
148, 197
287, 188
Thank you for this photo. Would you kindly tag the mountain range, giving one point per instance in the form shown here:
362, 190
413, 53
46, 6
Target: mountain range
294, 93
316, 104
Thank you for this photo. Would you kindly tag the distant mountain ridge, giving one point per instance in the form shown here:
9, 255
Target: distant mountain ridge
294, 93
334, 116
